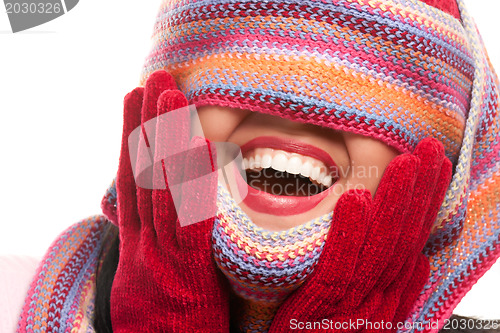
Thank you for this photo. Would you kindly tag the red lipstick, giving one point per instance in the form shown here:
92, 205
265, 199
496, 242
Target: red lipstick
291, 146
279, 205
283, 205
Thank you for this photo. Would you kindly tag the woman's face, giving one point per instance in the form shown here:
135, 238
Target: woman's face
295, 172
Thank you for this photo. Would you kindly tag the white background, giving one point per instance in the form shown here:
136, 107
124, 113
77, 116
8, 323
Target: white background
61, 90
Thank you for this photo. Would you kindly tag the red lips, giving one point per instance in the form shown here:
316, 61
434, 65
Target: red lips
280, 205
289, 145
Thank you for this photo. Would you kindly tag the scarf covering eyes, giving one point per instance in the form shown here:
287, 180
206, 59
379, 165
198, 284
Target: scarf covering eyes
395, 70
263, 267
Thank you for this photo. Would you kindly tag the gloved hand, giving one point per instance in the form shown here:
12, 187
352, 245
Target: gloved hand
372, 267
166, 279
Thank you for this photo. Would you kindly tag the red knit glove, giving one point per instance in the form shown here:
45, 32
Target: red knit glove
372, 267
166, 279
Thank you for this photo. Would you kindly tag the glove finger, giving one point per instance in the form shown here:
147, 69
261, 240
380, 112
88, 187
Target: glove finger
390, 208
331, 275
172, 139
172, 142
199, 193
155, 85
347, 233
392, 293
128, 218
431, 154
442, 185
416, 283
425, 203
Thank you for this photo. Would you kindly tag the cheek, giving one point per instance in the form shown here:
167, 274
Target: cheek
366, 175
219, 123
369, 159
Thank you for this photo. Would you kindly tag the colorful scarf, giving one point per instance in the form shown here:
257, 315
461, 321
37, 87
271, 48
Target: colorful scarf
398, 71
395, 70
61, 295
263, 267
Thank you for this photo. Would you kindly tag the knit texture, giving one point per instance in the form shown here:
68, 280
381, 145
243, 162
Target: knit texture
395, 70
263, 267
465, 241
108, 203
398, 71
61, 296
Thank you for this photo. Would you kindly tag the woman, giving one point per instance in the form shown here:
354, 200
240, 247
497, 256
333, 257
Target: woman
361, 81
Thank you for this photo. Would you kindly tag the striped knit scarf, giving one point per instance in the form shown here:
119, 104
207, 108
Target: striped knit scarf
395, 70
263, 267
62, 292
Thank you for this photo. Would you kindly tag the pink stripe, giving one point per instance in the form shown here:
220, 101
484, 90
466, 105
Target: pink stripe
207, 12
198, 14
207, 44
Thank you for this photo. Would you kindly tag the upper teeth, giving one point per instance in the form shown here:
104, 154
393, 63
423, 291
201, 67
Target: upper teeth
293, 163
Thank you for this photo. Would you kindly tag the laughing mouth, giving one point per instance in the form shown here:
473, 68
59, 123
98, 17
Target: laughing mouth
283, 173
284, 167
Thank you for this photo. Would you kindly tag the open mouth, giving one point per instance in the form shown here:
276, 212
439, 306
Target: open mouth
280, 172
285, 176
